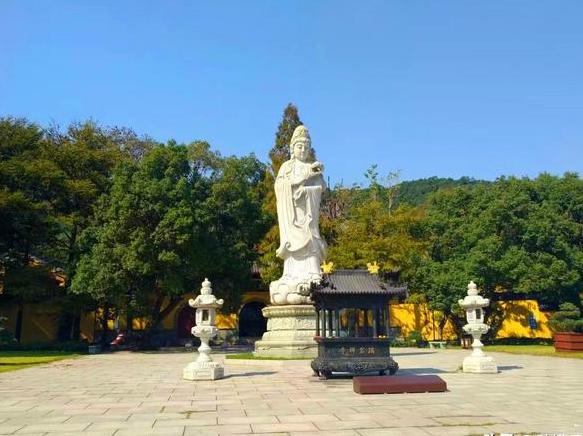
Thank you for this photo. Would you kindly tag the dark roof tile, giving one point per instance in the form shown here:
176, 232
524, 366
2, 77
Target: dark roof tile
355, 281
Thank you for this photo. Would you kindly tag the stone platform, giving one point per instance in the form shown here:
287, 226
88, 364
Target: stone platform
137, 394
290, 332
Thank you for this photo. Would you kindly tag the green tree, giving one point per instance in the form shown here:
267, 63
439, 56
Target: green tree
168, 222
512, 236
84, 157
235, 215
26, 220
567, 319
49, 183
25, 186
145, 236
279, 153
417, 192
372, 230
334, 207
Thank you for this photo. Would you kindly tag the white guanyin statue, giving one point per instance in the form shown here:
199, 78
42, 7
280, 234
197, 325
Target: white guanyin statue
298, 190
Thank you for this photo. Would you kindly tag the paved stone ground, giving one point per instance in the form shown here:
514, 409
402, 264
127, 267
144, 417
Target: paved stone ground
143, 393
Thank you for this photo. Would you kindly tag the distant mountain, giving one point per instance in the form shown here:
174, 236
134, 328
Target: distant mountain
411, 192
415, 192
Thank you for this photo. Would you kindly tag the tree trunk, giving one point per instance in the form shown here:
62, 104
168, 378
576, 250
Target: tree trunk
157, 315
104, 326
76, 330
129, 314
458, 325
441, 325
129, 321
19, 316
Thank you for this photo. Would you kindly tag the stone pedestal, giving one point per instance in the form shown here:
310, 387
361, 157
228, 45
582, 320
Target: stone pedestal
480, 365
290, 332
203, 371
478, 362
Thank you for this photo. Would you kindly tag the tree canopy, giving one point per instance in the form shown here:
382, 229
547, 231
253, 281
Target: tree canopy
178, 215
94, 215
417, 192
50, 181
366, 227
513, 236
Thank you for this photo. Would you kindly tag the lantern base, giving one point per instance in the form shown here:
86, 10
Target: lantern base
203, 371
480, 365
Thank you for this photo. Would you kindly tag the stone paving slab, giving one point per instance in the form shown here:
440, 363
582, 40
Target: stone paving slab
143, 394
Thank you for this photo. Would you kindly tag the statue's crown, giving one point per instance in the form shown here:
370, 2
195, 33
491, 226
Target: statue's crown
300, 132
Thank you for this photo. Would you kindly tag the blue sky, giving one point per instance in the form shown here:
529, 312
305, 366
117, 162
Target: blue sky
442, 88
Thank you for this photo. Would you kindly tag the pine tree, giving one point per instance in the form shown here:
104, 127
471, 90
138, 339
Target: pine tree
279, 153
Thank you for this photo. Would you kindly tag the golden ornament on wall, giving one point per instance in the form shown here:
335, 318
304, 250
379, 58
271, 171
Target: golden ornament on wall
327, 267
373, 268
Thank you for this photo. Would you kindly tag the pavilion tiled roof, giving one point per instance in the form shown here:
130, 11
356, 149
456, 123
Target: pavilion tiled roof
355, 281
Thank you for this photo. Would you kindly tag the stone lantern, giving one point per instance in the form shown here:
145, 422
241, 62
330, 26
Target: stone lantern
474, 305
206, 305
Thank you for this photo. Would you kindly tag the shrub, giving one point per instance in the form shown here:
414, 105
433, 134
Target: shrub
398, 343
567, 319
520, 341
415, 339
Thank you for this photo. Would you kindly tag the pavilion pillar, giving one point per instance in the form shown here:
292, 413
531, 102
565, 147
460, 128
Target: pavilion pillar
330, 324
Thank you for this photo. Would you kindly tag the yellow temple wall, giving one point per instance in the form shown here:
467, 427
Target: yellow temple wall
417, 317
516, 320
40, 321
515, 324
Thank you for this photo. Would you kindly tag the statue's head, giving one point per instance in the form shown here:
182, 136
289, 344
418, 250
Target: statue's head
300, 144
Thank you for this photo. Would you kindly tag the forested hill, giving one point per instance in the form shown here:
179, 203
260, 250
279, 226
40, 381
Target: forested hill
415, 192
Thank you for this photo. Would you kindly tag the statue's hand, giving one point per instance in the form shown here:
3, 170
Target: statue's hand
300, 190
317, 167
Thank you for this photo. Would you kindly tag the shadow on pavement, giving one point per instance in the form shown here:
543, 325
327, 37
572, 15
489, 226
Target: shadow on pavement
396, 353
509, 367
182, 349
248, 374
419, 371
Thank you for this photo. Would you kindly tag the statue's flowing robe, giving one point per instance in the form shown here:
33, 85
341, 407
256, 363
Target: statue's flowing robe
301, 246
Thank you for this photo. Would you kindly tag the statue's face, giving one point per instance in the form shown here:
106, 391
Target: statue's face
301, 149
